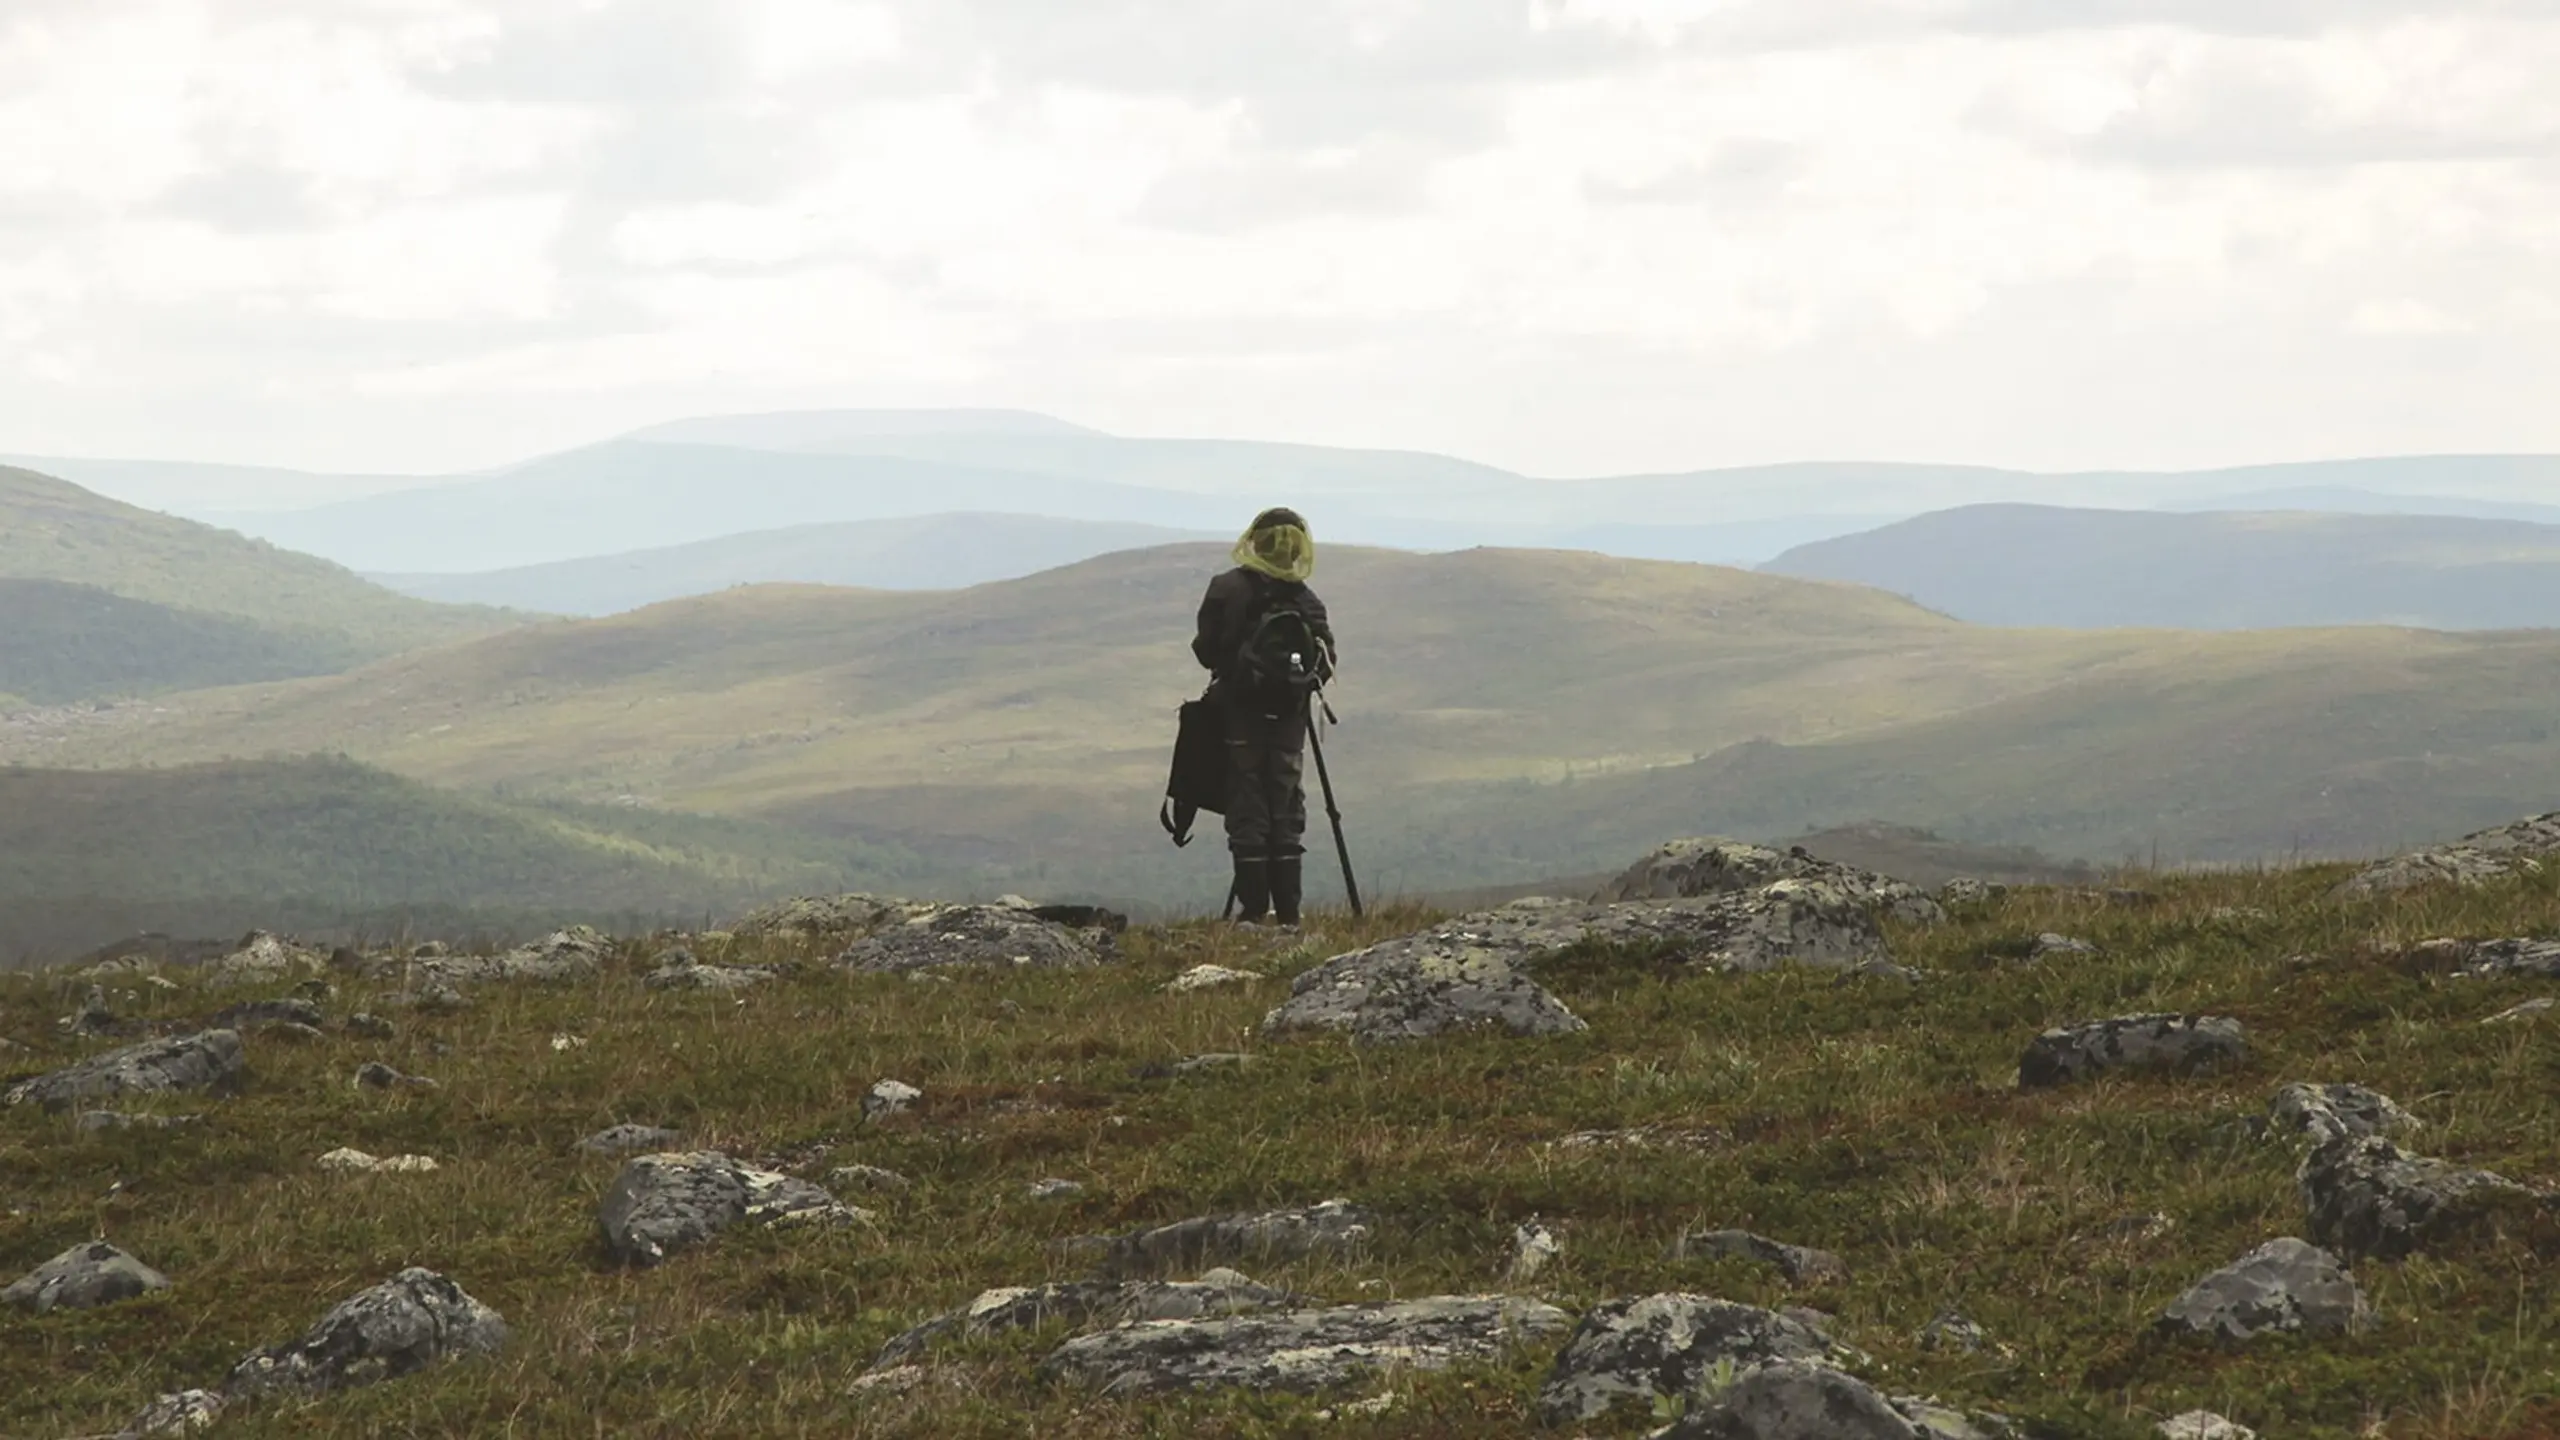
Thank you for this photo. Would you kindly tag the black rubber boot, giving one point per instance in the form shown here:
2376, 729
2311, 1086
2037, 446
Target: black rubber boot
1287, 886
1253, 889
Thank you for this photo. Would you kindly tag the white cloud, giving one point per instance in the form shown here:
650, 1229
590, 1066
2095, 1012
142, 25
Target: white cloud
1570, 235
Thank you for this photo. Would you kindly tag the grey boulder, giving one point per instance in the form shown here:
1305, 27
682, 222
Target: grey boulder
1687, 869
2282, 1286
154, 1067
1441, 982
2335, 1112
1336, 1227
662, 1204
1790, 1400
2516, 849
83, 1277
416, 1319
2369, 1197
1084, 1302
1800, 1264
1655, 1347
2179, 1044
1302, 1351
1008, 935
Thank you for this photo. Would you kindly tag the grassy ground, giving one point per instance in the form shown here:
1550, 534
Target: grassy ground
1870, 1120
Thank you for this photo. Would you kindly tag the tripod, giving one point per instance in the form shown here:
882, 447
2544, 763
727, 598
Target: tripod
1316, 705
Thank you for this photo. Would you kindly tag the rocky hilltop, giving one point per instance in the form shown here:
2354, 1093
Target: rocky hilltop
1746, 1144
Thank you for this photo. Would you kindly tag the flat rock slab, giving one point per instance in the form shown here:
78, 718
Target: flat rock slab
1336, 1227
1687, 869
2370, 1197
2281, 1287
2514, 959
1084, 1302
1801, 1264
662, 1204
2517, 849
2175, 1044
1640, 1350
986, 935
2336, 1112
416, 1319
1303, 1351
156, 1067
83, 1277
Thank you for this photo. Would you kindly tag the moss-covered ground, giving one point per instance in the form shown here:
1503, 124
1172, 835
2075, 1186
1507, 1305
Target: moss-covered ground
1874, 1119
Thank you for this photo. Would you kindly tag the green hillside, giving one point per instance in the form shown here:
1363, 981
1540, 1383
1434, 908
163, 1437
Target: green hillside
53, 530
330, 846
61, 643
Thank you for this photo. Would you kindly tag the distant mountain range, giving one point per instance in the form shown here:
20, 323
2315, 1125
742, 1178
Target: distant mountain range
701, 479
2037, 565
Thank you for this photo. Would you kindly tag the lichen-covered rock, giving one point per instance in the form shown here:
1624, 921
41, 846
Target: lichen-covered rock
1641, 1350
1302, 1351
182, 1412
2517, 849
1788, 1400
678, 970
2282, 1286
1953, 1332
2179, 1044
83, 1277
1085, 1302
1533, 1248
2202, 1425
1688, 869
829, 919
662, 1204
1424, 985
627, 1139
888, 1098
2335, 1112
415, 1319
997, 935
1801, 1265
2049, 945
2370, 1197
263, 959
1336, 1227
155, 1067
1208, 977
868, 1177
2513, 959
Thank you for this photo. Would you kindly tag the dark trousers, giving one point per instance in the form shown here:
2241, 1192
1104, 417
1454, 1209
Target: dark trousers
1266, 785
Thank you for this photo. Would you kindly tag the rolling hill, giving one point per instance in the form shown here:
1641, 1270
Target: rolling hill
930, 552
329, 847
1508, 715
2039, 565
104, 598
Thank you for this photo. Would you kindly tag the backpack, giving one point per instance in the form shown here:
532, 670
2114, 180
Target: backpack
1283, 655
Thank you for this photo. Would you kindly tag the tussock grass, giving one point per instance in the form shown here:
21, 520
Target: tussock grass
1869, 1118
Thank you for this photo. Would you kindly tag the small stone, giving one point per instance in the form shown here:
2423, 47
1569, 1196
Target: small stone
409, 1322
183, 1412
377, 1076
896, 1380
1209, 977
2049, 945
1053, 1189
2179, 1044
867, 1177
351, 1161
1952, 1332
626, 1139
1533, 1248
2283, 1285
2203, 1425
889, 1098
1798, 1263
252, 1014
370, 1026
2526, 1011
84, 1277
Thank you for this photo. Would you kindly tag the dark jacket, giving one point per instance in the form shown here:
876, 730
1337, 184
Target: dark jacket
1235, 600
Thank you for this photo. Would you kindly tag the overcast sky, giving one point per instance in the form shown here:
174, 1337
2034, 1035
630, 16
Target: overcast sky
1569, 236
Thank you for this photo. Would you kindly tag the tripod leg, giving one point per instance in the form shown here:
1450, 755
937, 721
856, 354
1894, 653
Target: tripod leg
1333, 813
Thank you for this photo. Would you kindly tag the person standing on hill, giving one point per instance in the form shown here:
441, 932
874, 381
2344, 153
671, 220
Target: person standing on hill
1266, 640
